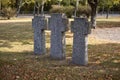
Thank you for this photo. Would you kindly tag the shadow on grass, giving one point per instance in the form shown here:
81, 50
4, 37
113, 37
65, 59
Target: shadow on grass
104, 51
102, 54
104, 63
107, 56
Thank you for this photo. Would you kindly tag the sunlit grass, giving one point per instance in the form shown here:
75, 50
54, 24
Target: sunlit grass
110, 19
17, 60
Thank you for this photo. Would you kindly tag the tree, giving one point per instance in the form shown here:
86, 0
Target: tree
76, 7
38, 4
108, 4
93, 4
19, 7
22, 3
7, 8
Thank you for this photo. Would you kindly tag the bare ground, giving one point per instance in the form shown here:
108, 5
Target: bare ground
111, 34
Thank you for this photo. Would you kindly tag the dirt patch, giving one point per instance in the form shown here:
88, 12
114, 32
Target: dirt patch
112, 34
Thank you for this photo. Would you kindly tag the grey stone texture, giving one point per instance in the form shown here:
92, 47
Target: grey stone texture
80, 28
39, 24
58, 26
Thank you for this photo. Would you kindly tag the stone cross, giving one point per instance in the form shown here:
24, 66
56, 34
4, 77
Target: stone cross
80, 28
39, 24
58, 25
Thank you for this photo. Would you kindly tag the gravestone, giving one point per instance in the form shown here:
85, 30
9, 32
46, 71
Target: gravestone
39, 24
58, 26
80, 29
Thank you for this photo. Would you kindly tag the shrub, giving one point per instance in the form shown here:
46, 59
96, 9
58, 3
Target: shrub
8, 12
68, 10
83, 11
57, 9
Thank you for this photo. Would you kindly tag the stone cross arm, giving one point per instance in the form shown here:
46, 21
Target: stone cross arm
39, 22
81, 26
58, 22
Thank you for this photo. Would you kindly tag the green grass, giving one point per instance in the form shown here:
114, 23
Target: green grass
18, 62
16, 31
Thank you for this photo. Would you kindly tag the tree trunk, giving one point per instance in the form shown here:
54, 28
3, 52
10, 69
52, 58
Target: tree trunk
34, 10
42, 8
93, 17
19, 7
107, 16
59, 3
38, 10
93, 4
102, 10
76, 8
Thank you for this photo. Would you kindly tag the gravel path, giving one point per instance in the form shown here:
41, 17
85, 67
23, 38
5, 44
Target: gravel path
112, 34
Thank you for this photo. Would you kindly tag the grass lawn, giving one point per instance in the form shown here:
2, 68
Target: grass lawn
17, 61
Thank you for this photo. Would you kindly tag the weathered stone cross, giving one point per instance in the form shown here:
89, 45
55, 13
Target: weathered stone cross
58, 25
80, 28
39, 25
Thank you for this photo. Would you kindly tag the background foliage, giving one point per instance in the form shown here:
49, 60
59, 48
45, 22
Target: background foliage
27, 6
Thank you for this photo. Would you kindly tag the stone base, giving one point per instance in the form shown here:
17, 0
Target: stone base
56, 57
80, 54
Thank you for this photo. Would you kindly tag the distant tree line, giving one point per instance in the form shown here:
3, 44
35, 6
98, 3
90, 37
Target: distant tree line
28, 5
10, 7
